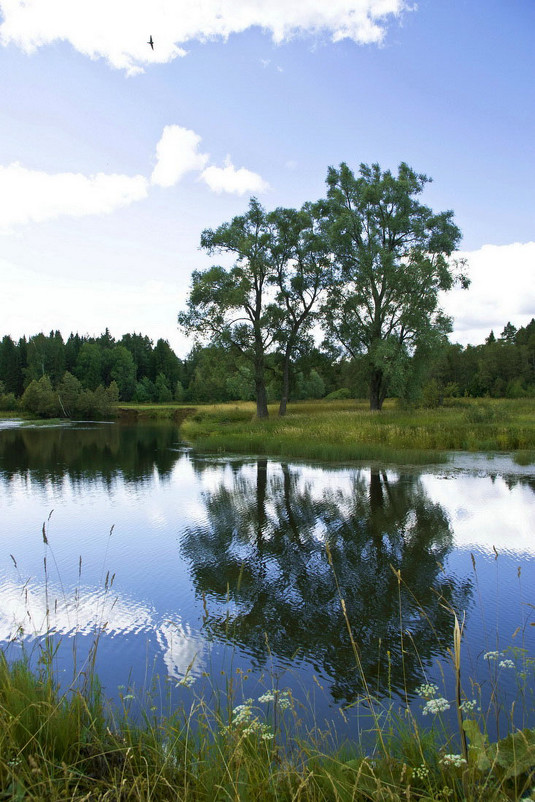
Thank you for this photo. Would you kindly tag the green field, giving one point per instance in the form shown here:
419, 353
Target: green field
347, 430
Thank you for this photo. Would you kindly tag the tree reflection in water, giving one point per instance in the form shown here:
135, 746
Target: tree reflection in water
88, 451
263, 549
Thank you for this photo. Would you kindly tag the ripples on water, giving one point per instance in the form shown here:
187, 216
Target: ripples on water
222, 563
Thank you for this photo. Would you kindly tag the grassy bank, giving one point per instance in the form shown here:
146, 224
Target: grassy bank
77, 746
347, 430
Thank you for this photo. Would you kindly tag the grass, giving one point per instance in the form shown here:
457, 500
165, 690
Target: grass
75, 745
342, 431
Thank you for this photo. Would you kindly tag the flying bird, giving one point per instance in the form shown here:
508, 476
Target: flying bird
151, 42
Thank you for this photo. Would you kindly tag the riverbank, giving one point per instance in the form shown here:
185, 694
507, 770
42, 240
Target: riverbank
346, 430
75, 745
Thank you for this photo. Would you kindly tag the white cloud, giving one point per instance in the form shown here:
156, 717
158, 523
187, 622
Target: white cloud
118, 30
228, 179
177, 153
35, 196
502, 290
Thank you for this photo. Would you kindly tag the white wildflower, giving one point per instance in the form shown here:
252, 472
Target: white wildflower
506, 664
428, 690
492, 655
435, 706
422, 771
467, 706
242, 713
282, 698
453, 760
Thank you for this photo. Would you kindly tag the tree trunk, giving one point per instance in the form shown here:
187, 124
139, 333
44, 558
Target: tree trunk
285, 383
259, 378
377, 390
261, 399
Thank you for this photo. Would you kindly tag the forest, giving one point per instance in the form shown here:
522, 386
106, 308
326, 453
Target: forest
93, 373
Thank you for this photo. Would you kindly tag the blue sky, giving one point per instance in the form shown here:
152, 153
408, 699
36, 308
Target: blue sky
114, 157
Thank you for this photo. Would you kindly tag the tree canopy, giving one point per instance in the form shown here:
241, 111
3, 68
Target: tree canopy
371, 251
390, 260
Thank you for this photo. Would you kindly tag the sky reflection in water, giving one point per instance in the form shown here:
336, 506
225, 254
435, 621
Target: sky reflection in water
223, 561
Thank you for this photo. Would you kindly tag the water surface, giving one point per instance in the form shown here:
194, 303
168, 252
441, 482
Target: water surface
182, 562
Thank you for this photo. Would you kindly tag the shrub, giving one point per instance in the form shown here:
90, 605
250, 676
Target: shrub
339, 395
40, 399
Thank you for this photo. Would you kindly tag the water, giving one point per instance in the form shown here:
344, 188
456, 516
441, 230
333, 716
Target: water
217, 567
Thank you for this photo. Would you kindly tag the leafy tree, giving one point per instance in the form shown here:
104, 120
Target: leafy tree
163, 393
140, 347
40, 398
69, 392
301, 261
88, 367
123, 371
232, 306
145, 391
179, 392
164, 360
46, 355
508, 334
390, 261
72, 349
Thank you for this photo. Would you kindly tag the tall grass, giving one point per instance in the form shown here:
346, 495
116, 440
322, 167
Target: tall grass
347, 430
223, 743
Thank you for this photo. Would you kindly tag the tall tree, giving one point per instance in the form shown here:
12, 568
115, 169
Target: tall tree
10, 366
232, 306
390, 261
301, 262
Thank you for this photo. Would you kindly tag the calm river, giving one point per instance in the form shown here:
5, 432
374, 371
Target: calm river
182, 560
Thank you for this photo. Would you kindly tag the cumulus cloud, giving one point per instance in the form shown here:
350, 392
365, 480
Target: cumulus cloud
229, 179
35, 196
118, 30
502, 290
177, 153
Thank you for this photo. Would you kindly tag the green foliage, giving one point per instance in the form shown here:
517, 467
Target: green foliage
8, 401
163, 393
311, 386
339, 395
385, 244
70, 399
40, 399
179, 393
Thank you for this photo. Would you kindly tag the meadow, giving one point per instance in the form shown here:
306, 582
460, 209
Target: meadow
342, 431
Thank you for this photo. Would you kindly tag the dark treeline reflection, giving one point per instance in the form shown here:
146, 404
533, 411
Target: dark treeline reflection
264, 546
92, 451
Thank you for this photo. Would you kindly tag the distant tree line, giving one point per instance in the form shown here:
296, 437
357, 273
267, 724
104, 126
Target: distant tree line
502, 366
86, 376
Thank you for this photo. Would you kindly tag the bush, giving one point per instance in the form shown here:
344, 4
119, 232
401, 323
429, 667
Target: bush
40, 399
339, 395
8, 402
